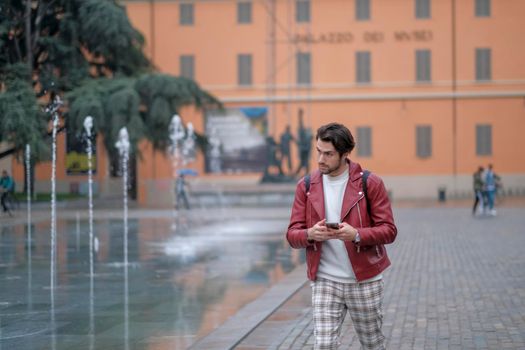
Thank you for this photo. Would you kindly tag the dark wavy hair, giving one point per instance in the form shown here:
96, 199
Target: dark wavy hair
338, 135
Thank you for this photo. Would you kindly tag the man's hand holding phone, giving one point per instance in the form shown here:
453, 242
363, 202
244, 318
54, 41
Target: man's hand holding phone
320, 232
345, 232
332, 225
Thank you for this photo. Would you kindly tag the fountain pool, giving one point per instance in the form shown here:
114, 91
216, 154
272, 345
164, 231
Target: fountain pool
181, 284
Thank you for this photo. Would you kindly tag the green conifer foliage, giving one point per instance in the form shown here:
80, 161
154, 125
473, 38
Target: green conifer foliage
88, 52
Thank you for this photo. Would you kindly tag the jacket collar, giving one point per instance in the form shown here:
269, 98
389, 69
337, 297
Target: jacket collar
353, 191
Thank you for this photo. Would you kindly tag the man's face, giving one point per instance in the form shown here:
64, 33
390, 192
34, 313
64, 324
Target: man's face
329, 160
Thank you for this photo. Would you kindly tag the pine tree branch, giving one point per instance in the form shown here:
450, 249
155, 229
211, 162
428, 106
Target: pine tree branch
17, 48
41, 11
29, 50
7, 152
13, 150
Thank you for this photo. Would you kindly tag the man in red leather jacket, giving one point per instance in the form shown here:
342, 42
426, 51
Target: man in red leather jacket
344, 241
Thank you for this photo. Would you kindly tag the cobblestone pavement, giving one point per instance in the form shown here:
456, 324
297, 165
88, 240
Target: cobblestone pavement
456, 282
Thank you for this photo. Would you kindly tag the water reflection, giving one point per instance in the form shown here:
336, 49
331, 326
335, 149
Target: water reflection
126, 302
29, 249
179, 285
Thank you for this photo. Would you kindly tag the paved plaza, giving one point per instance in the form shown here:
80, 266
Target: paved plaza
456, 282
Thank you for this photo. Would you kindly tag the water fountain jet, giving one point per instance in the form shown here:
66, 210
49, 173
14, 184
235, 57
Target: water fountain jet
88, 125
123, 146
29, 238
53, 110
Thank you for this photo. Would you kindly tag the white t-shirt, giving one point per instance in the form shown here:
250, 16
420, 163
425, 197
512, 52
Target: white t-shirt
335, 263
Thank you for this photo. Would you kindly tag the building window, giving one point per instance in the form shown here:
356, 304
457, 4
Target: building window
482, 8
484, 140
186, 14
304, 63
424, 141
483, 64
364, 141
362, 10
244, 69
422, 9
302, 10
187, 66
362, 67
423, 65
244, 12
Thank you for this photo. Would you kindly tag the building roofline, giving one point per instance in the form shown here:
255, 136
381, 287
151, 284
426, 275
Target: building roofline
377, 96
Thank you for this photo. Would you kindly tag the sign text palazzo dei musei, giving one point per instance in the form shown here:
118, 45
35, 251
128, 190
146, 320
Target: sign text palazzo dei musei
367, 37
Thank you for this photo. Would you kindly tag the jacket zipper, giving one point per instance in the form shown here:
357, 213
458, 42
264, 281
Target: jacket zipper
309, 203
360, 223
362, 196
357, 201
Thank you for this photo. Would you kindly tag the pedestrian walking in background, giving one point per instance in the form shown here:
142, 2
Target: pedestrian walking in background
304, 145
7, 187
342, 216
478, 192
180, 192
286, 139
499, 189
490, 190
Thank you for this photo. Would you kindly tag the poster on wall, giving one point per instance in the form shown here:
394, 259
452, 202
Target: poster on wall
76, 153
236, 140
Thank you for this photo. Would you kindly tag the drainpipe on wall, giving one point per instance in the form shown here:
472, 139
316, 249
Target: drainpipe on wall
454, 99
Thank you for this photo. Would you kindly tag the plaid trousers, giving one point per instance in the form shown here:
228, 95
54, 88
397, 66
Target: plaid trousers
364, 302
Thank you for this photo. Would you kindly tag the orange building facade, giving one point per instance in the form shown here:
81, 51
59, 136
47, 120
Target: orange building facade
431, 89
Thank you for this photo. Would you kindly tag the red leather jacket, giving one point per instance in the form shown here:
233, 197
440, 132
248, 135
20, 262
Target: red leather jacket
369, 257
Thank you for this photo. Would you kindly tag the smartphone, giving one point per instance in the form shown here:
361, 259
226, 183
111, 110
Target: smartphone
332, 225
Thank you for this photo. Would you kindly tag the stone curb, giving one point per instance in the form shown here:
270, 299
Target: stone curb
238, 327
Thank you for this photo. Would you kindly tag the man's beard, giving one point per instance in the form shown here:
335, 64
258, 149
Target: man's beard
327, 170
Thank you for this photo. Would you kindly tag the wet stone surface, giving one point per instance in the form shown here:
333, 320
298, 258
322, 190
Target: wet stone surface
456, 282
184, 278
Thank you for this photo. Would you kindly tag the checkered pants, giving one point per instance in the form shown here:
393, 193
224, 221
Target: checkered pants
364, 302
